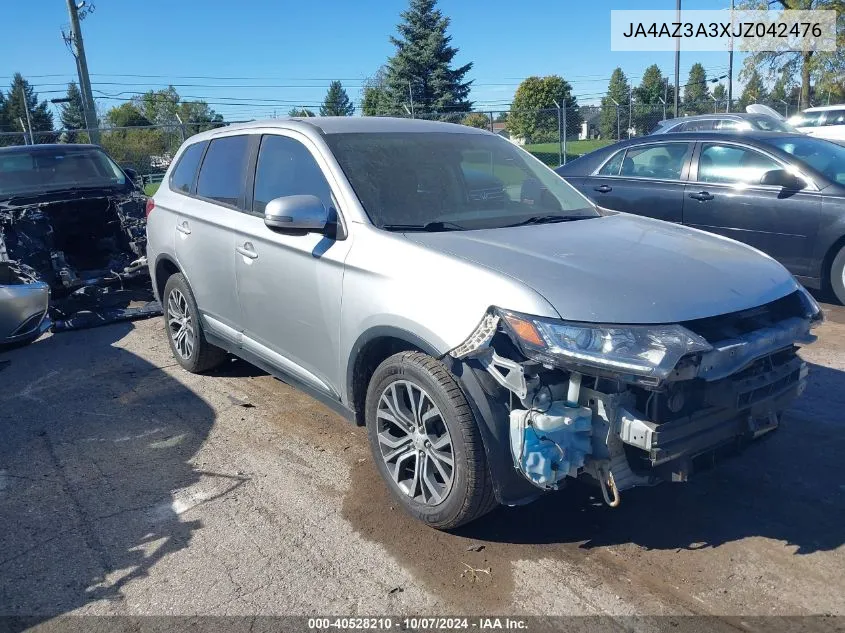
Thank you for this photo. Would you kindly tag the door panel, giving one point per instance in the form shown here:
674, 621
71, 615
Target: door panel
727, 199
649, 181
290, 285
204, 237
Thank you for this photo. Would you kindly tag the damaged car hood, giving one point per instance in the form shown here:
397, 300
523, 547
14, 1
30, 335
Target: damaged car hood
623, 268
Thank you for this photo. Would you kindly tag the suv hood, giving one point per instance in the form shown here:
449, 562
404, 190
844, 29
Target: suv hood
623, 268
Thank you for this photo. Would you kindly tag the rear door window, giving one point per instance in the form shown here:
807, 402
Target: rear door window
731, 164
698, 126
662, 161
286, 168
222, 173
807, 119
182, 178
834, 117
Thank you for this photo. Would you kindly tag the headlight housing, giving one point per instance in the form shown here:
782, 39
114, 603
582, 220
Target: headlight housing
640, 350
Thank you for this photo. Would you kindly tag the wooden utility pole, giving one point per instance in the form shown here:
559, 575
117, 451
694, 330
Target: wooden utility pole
78, 50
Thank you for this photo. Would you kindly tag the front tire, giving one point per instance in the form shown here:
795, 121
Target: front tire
184, 328
426, 443
837, 275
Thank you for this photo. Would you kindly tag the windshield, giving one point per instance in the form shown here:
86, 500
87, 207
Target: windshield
448, 181
823, 156
41, 171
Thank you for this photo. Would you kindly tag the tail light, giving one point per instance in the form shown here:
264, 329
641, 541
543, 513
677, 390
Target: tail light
151, 204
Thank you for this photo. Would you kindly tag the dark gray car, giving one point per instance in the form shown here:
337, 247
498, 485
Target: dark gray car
781, 193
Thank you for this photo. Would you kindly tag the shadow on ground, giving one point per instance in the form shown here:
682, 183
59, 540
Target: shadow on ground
95, 470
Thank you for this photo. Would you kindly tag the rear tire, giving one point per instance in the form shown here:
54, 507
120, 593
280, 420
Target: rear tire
184, 328
418, 421
837, 275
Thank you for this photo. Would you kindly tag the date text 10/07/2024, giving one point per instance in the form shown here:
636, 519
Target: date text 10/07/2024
416, 624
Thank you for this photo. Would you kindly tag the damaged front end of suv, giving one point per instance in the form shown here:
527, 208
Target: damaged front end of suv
634, 405
72, 229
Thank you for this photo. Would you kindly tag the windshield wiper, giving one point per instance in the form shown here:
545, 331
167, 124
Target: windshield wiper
549, 219
430, 227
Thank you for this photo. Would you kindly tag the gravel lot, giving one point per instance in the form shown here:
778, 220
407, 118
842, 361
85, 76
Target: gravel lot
128, 486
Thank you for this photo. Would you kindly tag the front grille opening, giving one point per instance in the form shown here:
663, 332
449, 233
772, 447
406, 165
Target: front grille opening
734, 324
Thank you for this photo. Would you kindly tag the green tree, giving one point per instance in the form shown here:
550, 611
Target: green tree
720, 94
337, 102
421, 70
136, 147
72, 116
754, 91
813, 66
126, 115
649, 96
697, 92
300, 113
477, 119
5, 124
610, 120
375, 99
534, 114
20, 97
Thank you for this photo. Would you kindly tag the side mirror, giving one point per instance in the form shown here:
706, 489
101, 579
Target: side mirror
782, 178
296, 213
131, 174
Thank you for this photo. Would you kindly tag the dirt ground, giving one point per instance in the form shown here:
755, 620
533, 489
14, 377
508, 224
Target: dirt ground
128, 486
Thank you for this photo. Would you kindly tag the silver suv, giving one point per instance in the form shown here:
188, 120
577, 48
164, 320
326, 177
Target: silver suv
497, 333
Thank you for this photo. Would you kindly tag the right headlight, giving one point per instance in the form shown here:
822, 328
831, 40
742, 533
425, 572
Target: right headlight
641, 350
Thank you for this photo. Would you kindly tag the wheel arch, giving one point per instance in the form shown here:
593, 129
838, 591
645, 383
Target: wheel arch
827, 262
371, 348
165, 267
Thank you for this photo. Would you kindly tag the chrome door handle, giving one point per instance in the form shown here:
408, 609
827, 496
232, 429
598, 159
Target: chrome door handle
184, 228
246, 250
603, 188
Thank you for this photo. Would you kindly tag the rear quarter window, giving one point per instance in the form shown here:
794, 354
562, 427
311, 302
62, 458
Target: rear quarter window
182, 178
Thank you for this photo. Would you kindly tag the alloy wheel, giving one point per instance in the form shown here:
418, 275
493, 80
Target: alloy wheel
180, 323
415, 442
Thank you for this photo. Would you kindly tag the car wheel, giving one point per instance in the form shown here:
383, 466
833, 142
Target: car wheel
837, 275
184, 328
425, 442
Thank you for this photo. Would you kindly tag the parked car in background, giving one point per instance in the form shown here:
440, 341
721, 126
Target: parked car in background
827, 122
781, 193
70, 220
497, 335
738, 121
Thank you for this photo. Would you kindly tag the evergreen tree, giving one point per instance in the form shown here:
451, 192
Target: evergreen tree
72, 115
648, 100
337, 102
611, 123
4, 119
21, 96
753, 92
697, 92
720, 94
781, 91
300, 113
421, 70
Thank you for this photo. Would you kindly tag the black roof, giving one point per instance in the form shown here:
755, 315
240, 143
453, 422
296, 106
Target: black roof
736, 116
45, 148
588, 162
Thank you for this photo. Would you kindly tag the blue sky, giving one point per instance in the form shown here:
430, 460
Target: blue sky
289, 51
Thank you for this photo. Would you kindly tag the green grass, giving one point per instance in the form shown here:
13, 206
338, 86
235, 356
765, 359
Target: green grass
151, 187
549, 152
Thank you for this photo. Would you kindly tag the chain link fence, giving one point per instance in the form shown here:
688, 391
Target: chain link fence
554, 135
